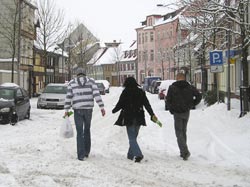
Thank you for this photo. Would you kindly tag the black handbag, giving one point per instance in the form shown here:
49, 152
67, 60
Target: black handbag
120, 120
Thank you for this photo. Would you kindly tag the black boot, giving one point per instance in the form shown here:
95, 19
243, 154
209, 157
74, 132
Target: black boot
138, 158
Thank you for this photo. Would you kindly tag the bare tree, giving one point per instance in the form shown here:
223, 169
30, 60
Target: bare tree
51, 27
116, 58
82, 40
9, 22
231, 18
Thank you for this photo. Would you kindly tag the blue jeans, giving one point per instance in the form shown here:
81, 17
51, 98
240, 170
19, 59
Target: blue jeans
82, 119
134, 149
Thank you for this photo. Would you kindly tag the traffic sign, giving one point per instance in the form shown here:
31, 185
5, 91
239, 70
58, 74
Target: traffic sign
216, 57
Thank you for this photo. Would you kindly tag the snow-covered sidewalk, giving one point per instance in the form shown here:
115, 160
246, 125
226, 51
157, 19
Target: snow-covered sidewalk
33, 155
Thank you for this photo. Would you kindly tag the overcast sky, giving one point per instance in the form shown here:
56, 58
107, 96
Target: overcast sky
110, 20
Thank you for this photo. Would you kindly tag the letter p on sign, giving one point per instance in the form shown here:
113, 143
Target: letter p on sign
216, 58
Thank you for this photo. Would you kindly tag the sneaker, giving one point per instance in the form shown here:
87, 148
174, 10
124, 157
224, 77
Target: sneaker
138, 158
186, 156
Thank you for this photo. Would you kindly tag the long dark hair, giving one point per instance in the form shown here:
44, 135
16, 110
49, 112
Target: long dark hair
130, 82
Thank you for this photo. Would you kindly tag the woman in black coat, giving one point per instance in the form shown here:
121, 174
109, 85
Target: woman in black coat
131, 103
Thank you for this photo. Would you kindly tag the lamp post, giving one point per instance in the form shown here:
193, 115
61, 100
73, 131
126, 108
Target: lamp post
228, 64
19, 40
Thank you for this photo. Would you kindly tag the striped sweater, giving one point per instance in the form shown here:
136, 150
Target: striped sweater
81, 93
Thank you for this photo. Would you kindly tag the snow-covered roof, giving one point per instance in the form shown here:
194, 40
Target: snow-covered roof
9, 84
190, 38
129, 54
6, 71
109, 57
96, 56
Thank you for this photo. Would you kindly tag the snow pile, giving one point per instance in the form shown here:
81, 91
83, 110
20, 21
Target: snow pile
33, 154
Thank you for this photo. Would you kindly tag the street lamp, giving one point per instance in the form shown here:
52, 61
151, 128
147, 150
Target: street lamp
19, 40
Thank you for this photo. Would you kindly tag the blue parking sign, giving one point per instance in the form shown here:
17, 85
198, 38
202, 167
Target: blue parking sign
216, 57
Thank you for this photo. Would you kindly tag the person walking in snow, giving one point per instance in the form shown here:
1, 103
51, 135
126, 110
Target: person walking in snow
131, 102
182, 97
81, 92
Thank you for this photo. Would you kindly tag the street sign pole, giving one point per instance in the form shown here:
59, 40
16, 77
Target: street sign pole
216, 66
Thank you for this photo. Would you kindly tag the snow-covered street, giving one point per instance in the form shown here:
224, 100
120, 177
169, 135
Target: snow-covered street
34, 155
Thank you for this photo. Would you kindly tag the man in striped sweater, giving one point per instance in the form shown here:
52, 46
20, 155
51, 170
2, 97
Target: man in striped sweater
81, 93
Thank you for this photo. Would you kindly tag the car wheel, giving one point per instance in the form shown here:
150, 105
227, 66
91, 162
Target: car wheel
13, 119
27, 116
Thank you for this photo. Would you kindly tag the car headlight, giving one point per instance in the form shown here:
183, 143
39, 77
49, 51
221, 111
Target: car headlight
4, 109
41, 99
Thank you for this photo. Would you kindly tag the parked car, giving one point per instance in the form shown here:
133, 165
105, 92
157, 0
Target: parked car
154, 87
101, 88
14, 104
148, 80
53, 96
105, 83
163, 88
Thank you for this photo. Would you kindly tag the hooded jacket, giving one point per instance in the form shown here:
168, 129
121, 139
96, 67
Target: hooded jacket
182, 97
81, 92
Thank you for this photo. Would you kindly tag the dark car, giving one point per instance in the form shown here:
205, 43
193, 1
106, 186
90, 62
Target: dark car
14, 104
101, 88
148, 80
154, 87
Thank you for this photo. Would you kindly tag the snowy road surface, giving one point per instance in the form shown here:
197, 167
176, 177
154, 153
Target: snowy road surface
33, 155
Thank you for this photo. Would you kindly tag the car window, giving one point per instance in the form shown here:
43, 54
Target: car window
19, 93
25, 94
7, 94
55, 89
100, 85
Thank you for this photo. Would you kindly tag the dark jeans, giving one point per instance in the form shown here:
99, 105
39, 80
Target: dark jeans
134, 149
82, 119
180, 124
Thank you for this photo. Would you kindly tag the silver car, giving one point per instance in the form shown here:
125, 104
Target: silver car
53, 96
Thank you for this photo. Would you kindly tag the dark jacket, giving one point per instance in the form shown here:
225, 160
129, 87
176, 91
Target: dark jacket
182, 97
131, 103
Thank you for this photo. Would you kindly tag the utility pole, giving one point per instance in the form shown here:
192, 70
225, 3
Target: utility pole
228, 64
19, 40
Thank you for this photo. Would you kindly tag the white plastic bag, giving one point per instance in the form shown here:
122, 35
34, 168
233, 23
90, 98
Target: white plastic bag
66, 130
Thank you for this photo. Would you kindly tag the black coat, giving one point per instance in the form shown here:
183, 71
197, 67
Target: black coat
182, 97
131, 103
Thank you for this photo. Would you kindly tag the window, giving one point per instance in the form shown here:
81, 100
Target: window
150, 23
151, 36
151, 55
146, 37
158, 35
139, 57
145, 55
